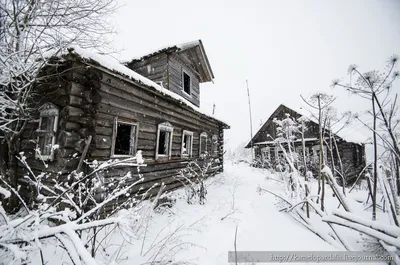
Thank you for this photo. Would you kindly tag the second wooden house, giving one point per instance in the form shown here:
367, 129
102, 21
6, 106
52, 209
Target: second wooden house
348, 149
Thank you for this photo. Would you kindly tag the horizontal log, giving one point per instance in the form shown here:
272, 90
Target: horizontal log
68, 139
102, 142
100, 130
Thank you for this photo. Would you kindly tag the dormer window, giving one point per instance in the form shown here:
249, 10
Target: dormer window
186, 83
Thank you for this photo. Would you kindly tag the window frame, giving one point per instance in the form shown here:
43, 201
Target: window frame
279, 154
203, 135
165, 126
315, 155
267, 150
214, 145
184, 72
133, 138
299, 151
47, 110
189, 154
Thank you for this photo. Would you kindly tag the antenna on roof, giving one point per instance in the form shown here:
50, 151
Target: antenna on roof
251, 126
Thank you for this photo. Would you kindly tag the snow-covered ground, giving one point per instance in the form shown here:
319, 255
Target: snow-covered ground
203, 234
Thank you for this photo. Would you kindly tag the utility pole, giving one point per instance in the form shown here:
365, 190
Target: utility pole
213, 108
251, 123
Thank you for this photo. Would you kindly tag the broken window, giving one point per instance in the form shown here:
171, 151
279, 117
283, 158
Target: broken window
187, 143
203, 144
124, 138
186, 83
47, 131
164, 140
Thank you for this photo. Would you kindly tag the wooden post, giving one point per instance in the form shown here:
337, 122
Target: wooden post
251, 123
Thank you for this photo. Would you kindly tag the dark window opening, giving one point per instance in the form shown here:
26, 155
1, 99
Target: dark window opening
186, 83
124, 140
163, 143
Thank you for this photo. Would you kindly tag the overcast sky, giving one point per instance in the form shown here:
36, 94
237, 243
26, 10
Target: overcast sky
283, 48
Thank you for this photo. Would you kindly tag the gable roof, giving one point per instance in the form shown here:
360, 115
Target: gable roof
193, 51
341, 130
115, 66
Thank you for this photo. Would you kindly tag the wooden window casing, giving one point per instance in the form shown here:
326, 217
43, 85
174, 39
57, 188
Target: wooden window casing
186, 82
266, 154
214, 145
124, 139
164, 140
279, 155
47, 130
187, 144
203, 144
316, 154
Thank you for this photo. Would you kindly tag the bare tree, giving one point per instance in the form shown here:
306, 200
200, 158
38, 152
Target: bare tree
320, 102
376, 87
29, 29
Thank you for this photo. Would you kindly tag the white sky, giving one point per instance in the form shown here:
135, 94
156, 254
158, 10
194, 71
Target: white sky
283, 48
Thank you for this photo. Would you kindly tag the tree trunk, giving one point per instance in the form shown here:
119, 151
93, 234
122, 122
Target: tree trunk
321, 155
375, 173
11, 177
305, 168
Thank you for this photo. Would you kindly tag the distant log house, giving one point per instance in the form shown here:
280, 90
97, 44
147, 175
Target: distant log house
149, 104
348, 152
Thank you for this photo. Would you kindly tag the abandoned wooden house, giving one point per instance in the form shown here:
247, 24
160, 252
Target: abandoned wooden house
348, 149
89, 106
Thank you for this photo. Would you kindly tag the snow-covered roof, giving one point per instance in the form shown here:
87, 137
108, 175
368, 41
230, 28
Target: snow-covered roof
114, 65
298, 140
344, 131
173, 47
201, 62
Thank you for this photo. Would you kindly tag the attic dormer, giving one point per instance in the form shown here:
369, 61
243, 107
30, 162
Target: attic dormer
180, 68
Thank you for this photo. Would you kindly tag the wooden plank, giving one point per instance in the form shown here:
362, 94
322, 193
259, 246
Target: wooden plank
140, 112
150, 99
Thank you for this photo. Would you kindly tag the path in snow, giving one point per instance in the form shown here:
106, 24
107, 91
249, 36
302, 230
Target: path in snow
260, 225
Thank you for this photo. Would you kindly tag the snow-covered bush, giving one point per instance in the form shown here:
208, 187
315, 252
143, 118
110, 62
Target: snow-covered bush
69, 211
193, 177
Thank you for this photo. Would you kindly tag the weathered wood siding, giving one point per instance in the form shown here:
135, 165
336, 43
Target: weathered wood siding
121, 98
167, 69
154, 68
176, 65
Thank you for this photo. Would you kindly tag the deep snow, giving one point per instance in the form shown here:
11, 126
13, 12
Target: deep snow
200, 236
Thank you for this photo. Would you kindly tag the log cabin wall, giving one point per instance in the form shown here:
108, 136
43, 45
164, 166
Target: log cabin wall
122, 98
168, 69
74, 95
